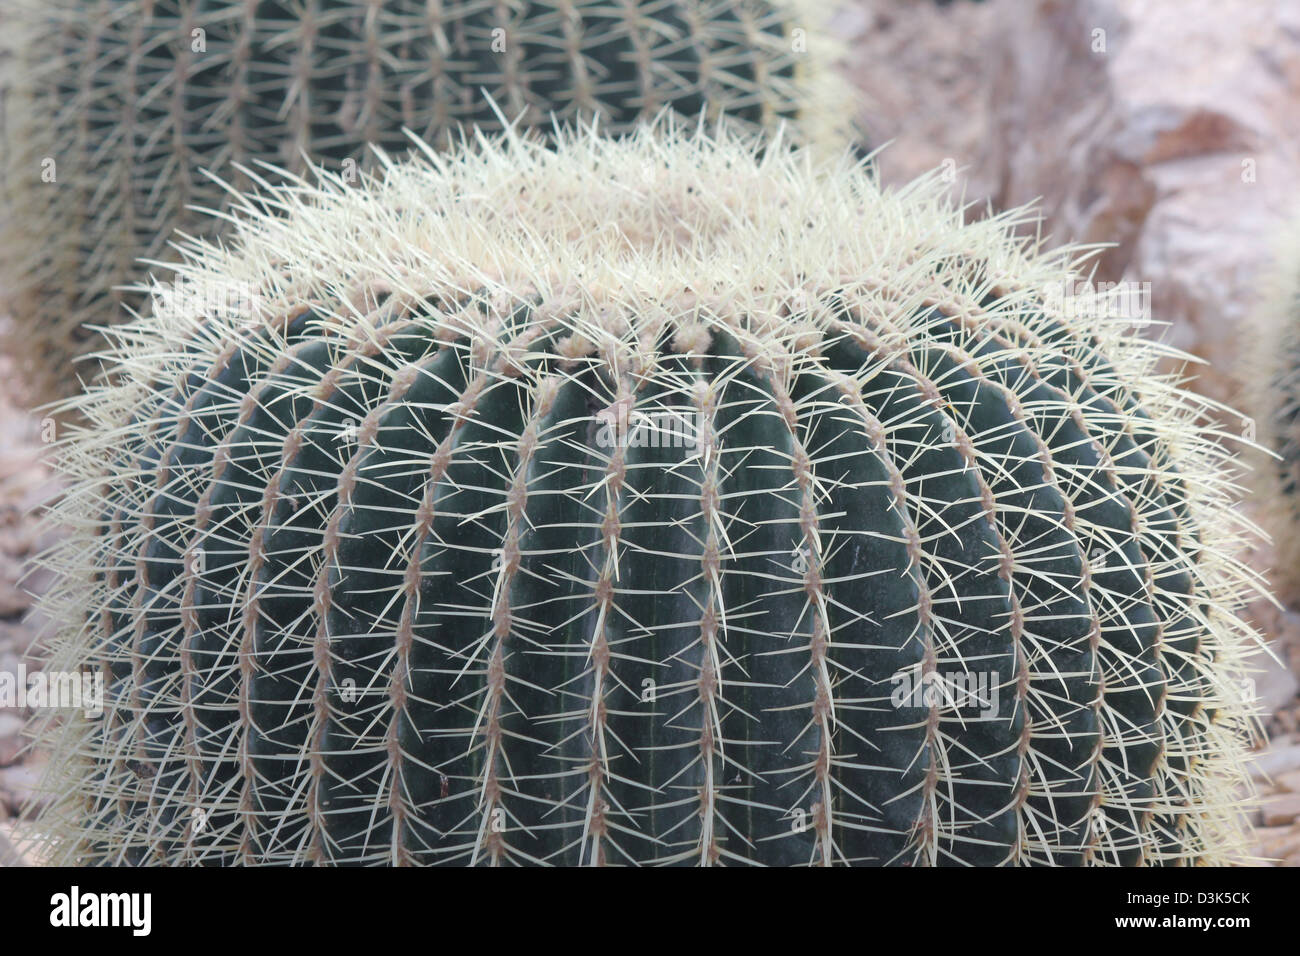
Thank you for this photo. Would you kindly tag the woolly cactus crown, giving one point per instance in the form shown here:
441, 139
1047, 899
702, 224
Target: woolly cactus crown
117, 108
383, 566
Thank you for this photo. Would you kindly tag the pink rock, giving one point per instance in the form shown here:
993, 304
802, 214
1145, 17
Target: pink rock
1276, 685
1170, 127
1277, 843
18, 785
1281, 810
1281, 758
920, 74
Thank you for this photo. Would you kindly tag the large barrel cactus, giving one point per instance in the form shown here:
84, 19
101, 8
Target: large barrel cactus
661, 500
116, 108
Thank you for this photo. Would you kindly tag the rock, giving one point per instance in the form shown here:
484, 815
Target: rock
13, 601
1277, 843
1289, 782
919, 72
1277, 760
11, 739
1288, 634
16, 638
43, 490
1281, 810
24, 842
18, 786
1275, 684
10, 749
9, 852
1170, 127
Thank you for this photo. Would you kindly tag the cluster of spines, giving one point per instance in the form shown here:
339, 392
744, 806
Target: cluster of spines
402, 494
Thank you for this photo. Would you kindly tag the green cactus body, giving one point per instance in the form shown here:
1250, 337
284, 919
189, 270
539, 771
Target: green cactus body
118, 109
654, 500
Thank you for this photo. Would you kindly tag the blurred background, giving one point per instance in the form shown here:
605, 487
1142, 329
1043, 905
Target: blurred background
1170, 128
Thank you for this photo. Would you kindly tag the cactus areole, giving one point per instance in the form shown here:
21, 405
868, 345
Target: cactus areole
661, 500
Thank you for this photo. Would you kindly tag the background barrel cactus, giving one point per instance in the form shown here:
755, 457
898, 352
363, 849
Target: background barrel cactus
116, 107
1269, 369
657, 500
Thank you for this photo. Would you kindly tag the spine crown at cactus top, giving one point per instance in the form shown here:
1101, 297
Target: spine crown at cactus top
672, 499
117, 110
